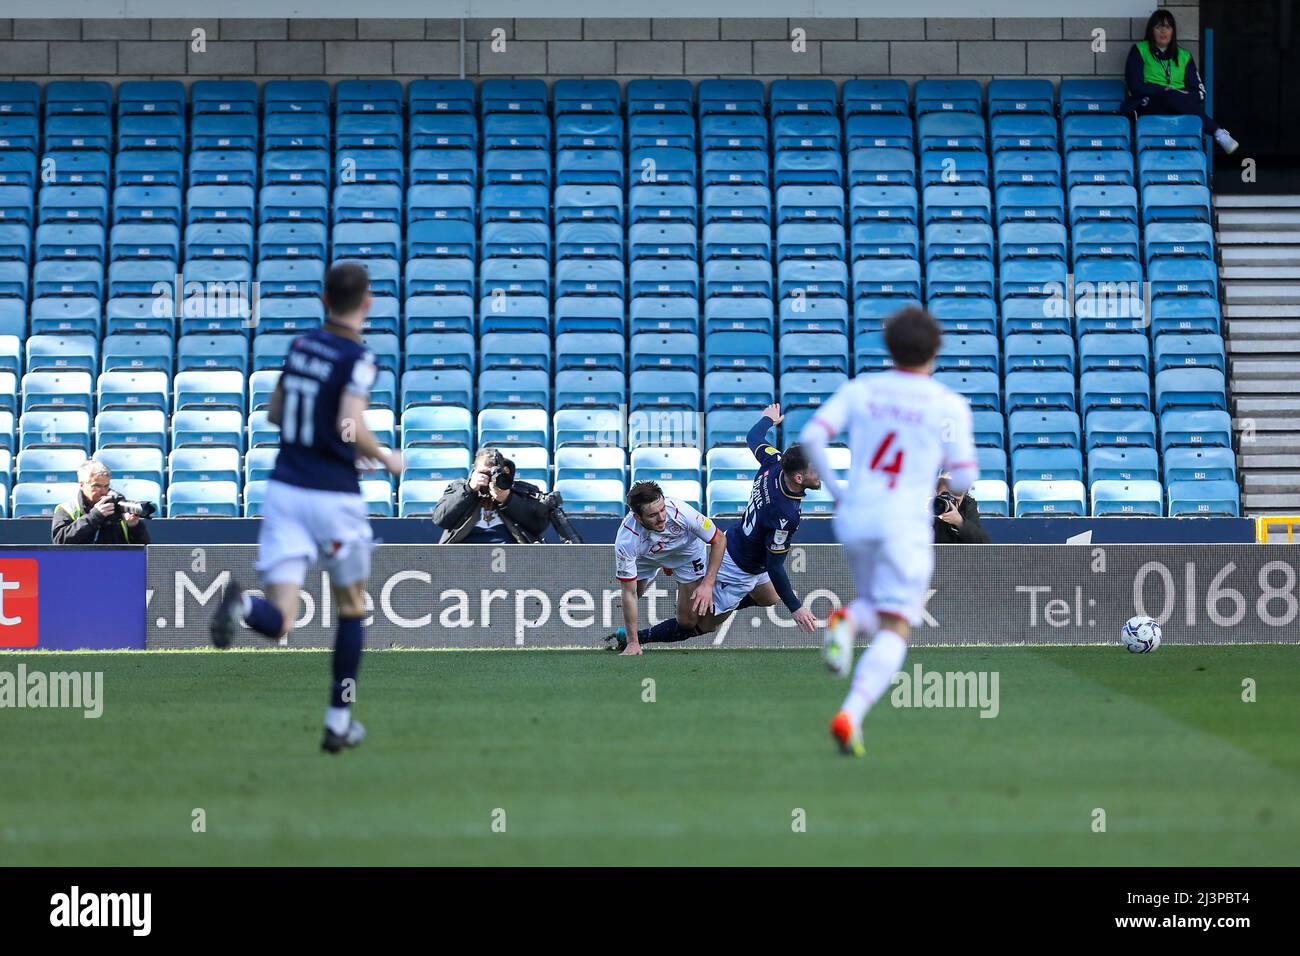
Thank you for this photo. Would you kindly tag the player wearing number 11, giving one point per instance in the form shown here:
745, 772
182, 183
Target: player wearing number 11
313, 505
903, 429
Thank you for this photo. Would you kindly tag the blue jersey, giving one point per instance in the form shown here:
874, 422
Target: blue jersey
772, 517
318, 370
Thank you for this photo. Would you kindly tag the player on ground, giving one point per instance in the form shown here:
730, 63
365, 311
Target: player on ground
313, 506
753, 570
662, 533
903, 429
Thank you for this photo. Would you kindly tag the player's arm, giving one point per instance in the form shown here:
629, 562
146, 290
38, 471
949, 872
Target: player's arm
757, 437
625, 570
355, 431
628, 590
781, 581
820, 430
708, 531
277, 403
958, 437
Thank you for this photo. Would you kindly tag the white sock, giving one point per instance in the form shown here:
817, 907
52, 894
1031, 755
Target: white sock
338, 718
245, 606
876, 668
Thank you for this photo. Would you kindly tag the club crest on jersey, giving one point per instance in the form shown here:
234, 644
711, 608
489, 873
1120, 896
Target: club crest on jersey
779, 537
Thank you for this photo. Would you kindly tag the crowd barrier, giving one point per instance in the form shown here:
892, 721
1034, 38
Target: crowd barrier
511, 597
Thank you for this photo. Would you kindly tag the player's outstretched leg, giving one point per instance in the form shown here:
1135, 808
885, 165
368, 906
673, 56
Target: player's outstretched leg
876, 668
340, 729
239, 607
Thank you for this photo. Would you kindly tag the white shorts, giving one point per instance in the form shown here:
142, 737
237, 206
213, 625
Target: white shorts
733, 584
685, 573
892, 571
300, 525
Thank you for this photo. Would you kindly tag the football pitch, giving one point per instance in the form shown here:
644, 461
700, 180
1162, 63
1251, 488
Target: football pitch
679, 757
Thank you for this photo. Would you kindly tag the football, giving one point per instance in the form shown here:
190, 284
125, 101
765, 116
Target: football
1141, 635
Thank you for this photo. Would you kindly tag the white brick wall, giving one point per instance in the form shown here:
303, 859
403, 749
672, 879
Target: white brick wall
697, 48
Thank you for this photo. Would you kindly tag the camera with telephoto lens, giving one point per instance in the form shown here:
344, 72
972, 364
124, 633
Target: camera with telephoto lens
564, 528
123, 506
943, 502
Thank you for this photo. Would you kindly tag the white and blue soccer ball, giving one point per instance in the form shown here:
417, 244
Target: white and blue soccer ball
1141, 635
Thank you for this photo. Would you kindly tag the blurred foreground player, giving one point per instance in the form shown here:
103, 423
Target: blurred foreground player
663, 533
903, 429
313, 506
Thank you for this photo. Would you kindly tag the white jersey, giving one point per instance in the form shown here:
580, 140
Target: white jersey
681, 549
903, 429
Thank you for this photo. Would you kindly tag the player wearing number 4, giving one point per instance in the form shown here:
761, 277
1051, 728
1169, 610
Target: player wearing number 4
903, 429
313, 506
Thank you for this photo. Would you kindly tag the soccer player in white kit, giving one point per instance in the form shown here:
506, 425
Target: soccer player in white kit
903, 429
665, 534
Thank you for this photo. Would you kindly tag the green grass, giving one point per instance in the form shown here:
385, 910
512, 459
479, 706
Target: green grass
710, 773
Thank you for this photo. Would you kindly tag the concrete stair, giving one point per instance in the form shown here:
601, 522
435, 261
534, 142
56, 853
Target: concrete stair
1258, 239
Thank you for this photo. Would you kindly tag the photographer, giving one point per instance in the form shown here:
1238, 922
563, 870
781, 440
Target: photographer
490, 507
956, 517
99, 515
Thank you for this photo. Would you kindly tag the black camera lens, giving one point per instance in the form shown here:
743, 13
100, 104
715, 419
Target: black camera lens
942, 503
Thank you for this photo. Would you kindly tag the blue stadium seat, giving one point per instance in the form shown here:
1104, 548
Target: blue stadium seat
133, 462
666, 464
1043, 429
1046, 464
993, 496
437, 425
203, 428
601, 498
727, 497
435, 464
142, 428
419, 496
1049, 498
599, 426
126, 389
203, 499
1122, 429
1129, 498
31, 500
47, 465
1195, 429
1123, 464
1204, 498
1199, 464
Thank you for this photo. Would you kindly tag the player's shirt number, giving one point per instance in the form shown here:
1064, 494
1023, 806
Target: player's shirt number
882, 461
299, 418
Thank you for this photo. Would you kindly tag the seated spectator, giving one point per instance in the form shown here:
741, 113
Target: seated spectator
1162, 79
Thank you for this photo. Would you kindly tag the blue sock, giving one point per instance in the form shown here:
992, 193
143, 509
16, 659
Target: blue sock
347, 658
665, 632
264, 617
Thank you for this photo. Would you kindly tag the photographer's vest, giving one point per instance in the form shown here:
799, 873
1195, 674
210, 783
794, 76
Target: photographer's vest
73, 508
1169, 73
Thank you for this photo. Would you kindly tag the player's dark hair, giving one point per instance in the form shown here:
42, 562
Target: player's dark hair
913, 337
346, 285
643, 493
794, 460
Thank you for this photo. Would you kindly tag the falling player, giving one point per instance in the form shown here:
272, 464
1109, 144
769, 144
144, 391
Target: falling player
662, 533
753, 570
313, 505
903, 429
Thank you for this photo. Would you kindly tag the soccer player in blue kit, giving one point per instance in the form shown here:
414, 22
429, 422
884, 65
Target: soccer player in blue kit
313, 506
753, 569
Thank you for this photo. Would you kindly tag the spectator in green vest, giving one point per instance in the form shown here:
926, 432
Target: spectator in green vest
1162, 79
